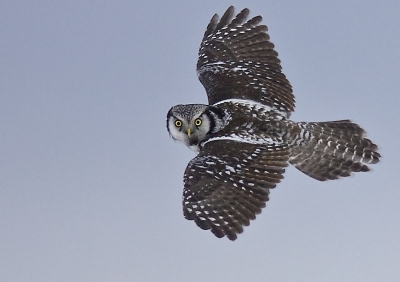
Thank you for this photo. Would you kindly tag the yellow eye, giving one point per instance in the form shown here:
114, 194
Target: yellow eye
197, 122
178, 123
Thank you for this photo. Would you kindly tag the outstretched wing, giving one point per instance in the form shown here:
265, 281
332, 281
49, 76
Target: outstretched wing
228, 183
237, 61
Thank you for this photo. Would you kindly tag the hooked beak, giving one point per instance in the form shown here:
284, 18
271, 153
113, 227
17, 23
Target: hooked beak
188, 132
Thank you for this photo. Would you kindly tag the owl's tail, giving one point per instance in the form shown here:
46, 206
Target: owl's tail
329, 150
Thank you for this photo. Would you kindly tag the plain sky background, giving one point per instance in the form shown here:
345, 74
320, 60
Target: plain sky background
91, 183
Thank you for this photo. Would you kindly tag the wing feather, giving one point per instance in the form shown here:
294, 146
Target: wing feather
227, 184
238, 60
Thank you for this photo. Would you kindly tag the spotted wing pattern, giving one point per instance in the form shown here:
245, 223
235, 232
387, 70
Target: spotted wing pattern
228, 183
237, 60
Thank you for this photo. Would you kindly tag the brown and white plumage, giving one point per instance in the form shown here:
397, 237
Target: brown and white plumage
244, 137
237, 60
228, 183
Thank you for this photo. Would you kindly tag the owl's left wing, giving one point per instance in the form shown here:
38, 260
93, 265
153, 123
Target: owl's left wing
228, 183
238, 61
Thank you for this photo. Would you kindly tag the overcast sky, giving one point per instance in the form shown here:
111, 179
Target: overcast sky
91, 183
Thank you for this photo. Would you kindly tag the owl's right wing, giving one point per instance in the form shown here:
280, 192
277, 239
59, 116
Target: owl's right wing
228, 183
238, 61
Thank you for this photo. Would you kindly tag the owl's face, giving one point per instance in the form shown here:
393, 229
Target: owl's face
189, 124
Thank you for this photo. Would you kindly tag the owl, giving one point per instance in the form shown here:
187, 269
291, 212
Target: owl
244, 137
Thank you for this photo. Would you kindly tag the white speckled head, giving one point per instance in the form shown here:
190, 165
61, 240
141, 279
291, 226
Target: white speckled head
192, 124
188, 124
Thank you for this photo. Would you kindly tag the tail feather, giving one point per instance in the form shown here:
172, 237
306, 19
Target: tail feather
329, 150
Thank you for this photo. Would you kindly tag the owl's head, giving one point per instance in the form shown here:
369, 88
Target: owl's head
192, 124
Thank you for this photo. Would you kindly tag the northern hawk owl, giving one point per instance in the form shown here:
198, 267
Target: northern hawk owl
244, 137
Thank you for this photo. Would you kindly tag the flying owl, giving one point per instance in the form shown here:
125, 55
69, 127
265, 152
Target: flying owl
244, 137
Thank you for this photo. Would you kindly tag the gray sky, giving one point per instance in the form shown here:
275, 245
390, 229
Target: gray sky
91, 183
